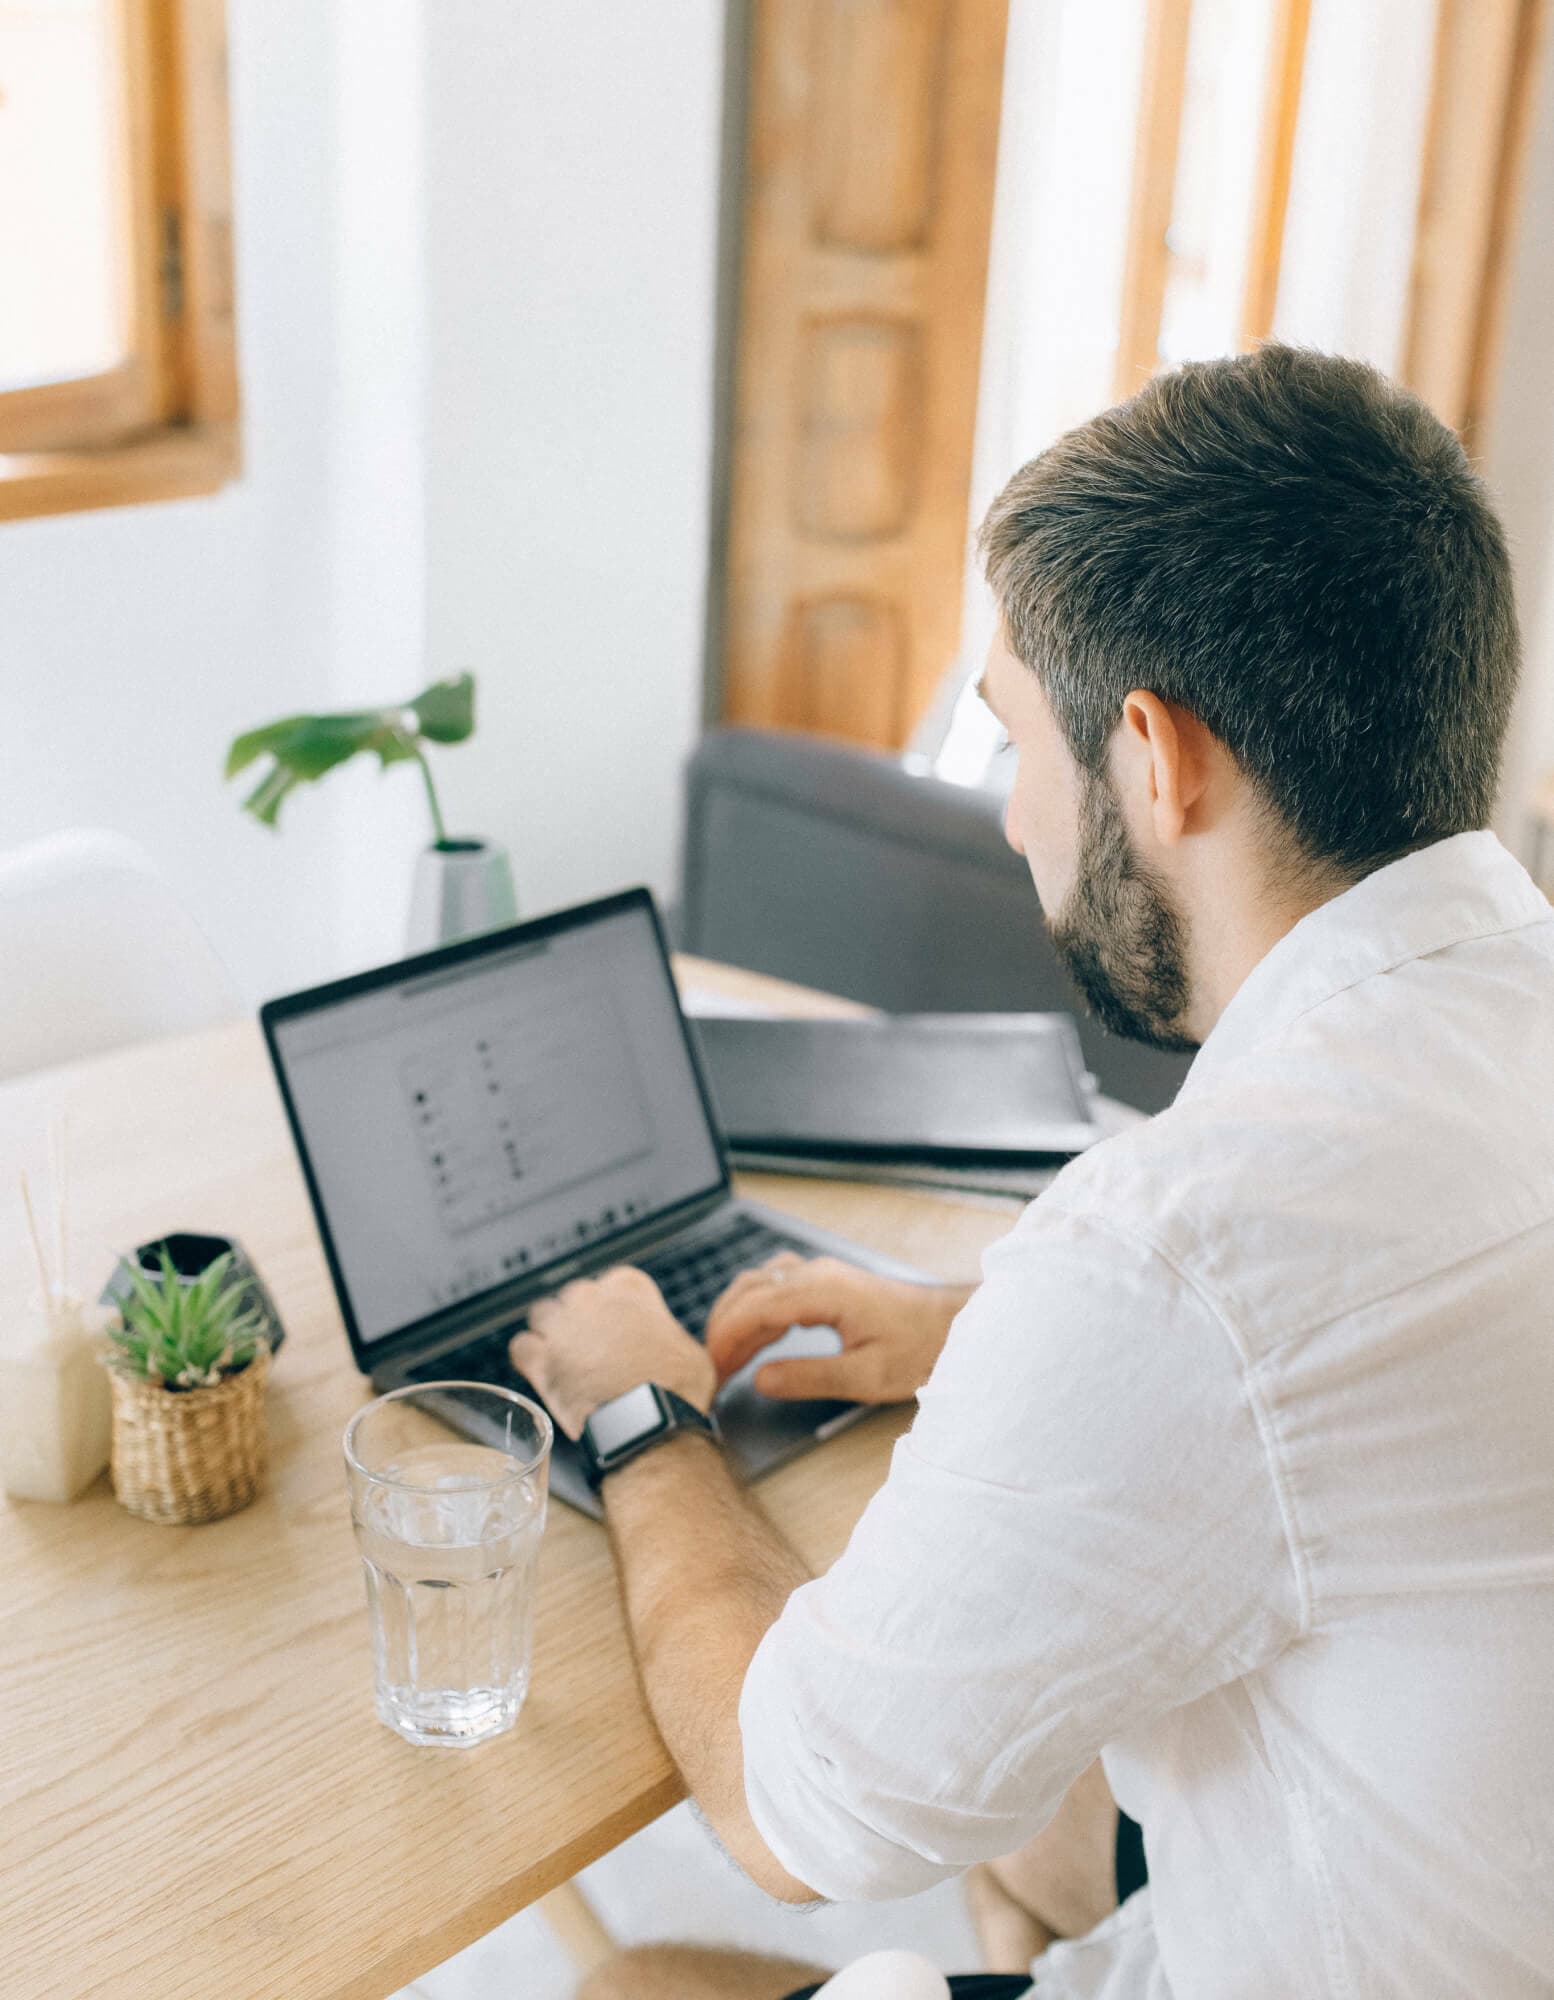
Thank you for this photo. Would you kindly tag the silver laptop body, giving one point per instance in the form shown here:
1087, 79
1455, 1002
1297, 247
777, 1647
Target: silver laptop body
481, 1124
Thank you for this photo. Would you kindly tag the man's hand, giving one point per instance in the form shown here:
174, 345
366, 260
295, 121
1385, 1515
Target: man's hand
891, 1330
600, 1337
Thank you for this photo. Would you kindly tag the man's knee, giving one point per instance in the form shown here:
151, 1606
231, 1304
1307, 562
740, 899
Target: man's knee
638, 1974
1066, 1876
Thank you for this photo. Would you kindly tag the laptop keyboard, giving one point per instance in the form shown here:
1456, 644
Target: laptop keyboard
691, 1280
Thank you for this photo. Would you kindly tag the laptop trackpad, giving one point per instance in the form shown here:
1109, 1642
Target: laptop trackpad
761, 1430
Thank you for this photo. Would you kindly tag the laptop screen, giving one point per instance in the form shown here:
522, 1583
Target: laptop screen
468, 1125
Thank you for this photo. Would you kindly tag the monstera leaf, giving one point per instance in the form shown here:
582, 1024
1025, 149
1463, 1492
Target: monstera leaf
302, 748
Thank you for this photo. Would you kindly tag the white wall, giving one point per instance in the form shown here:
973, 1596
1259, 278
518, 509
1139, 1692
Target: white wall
523, 487
135, 643
379, 471
476, 252
571, 241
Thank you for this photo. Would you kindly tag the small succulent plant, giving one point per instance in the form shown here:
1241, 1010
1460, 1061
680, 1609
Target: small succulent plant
185, 1336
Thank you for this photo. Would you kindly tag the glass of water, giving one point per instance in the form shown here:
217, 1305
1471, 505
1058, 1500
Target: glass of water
449, 1528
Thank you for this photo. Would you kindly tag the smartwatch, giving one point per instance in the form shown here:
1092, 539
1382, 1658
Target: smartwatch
626, 1426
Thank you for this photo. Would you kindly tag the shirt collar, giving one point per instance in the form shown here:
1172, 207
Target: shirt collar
1464, 887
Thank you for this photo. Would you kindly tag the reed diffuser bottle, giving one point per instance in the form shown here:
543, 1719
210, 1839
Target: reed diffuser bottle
55, 1403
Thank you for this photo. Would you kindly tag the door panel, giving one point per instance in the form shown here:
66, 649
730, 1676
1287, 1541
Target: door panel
873, 133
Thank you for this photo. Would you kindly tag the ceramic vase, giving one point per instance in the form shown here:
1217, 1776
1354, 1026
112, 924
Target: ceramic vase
461, 888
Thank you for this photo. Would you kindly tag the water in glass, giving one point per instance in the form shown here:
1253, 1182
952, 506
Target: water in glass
449, 1532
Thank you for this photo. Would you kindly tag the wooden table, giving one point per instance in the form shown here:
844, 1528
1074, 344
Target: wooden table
196, 1799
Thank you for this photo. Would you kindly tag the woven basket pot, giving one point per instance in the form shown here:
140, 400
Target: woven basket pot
189, 1455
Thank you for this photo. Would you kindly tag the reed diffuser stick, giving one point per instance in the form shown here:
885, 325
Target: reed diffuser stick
37, 1242
58, 1179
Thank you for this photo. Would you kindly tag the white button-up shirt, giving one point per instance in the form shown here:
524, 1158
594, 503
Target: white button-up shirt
1239, 1469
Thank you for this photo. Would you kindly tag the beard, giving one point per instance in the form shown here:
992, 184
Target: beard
1119, 933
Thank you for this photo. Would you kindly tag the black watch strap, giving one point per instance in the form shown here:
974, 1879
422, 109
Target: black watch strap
630, 1424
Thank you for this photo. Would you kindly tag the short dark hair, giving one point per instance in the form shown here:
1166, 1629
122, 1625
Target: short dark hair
1297, 551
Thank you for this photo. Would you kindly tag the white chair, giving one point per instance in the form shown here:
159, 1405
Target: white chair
883, 1975
96, 951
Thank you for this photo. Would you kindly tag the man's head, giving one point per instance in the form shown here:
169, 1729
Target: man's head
1258, 639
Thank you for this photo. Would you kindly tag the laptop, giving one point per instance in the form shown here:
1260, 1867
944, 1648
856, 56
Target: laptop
481, 1124
944, 1089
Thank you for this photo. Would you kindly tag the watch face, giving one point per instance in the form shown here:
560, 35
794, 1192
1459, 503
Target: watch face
625, 1420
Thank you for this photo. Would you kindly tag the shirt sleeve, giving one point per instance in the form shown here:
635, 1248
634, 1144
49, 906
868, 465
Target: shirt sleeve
1081, 1531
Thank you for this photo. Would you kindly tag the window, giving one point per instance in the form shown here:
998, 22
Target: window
1183, 178
117, 366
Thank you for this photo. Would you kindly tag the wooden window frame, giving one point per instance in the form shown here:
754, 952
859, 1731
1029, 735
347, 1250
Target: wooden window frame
163, 424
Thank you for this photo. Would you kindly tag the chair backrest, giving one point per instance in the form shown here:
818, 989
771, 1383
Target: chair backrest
887, 1975
97, 951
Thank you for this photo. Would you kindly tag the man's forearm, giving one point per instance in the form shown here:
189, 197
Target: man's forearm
703, 1573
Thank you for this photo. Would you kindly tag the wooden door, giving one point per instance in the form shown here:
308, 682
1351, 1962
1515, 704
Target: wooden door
866, 210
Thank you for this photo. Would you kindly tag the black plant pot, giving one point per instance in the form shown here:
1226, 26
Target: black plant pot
191, 1255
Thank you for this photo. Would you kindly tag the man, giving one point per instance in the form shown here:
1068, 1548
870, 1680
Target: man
1237, 1470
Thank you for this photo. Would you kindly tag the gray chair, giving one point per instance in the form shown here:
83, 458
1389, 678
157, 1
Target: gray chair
849, 870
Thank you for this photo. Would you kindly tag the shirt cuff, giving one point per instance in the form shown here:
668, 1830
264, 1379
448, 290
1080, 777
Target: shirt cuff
794, 1797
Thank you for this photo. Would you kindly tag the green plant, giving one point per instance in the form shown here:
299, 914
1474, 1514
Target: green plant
304, 747
179, 1336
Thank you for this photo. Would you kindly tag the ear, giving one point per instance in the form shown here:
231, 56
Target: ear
1162, 755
